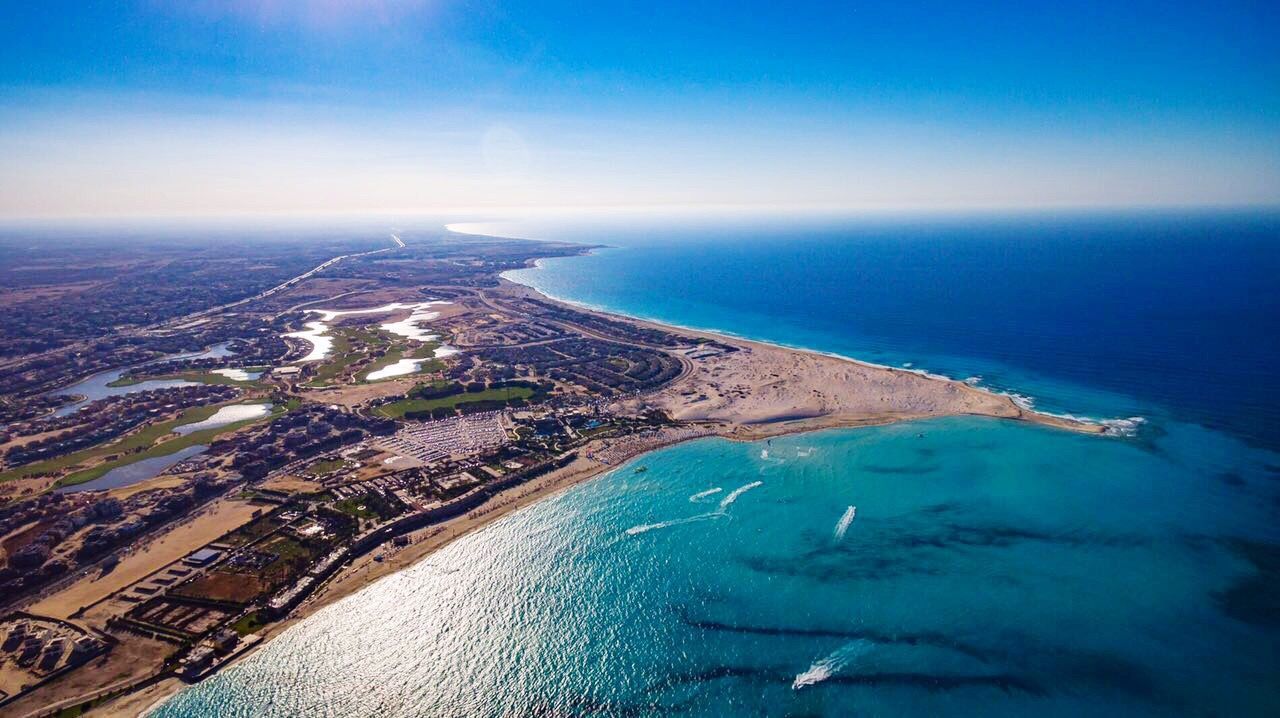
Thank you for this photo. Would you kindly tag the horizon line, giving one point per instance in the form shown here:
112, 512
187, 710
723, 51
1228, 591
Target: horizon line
745, 209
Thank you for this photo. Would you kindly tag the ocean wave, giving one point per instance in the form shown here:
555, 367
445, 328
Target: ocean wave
765, 455
1113, 427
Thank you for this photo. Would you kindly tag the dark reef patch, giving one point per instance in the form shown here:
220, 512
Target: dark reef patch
927, 681
1231, 478
934, 639
894, 550
1255, 599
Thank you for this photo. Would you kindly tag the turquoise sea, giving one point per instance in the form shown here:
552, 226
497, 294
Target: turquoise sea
990, 568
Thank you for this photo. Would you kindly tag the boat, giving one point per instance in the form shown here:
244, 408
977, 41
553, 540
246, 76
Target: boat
641, 469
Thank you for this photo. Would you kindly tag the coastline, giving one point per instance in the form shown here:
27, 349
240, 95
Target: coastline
1016, 407
365, 570
1026, 404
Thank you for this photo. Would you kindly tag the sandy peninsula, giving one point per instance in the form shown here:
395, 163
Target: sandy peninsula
765, 389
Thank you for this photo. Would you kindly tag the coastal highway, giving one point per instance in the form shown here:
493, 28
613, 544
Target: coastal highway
178, 321
686, 365
279, 287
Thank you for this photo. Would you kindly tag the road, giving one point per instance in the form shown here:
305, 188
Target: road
686, 364
280, 287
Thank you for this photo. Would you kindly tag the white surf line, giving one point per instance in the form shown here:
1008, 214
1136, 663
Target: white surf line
698, 497
843, 524
721, 511
1114, 426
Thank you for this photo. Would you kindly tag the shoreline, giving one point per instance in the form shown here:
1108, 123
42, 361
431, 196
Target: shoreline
1025, 403
1021, 410
364, 571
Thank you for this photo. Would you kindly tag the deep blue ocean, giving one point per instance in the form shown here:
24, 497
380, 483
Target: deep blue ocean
991, 568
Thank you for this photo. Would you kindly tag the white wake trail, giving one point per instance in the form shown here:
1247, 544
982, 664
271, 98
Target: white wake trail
720, 512
826, 667
645, 528
728, 500
698, 497
843, 524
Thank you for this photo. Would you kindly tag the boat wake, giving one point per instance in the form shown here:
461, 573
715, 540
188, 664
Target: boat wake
721, 511
728, 500
843, 524
645, 528
826, 667
698, 497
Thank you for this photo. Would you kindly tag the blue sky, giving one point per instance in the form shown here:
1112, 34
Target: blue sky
306, 106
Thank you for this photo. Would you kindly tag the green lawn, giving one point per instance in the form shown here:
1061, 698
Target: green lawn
249, 623
340, 357
356, 507
397, 409
146, 437
323, 467
254, 530
369, 506
352, 344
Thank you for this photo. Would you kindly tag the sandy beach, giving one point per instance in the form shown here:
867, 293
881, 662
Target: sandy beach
365, 571
766, 390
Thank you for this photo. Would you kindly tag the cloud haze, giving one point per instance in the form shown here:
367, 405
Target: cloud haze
325, 106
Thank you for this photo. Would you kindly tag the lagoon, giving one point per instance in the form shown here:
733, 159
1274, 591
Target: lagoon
99, 386
130, 474
226, 415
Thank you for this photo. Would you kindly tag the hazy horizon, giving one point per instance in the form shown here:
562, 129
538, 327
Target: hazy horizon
317, 107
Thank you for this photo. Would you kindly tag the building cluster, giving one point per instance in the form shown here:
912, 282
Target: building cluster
33, 649
75, 532
298, 435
